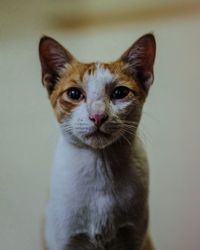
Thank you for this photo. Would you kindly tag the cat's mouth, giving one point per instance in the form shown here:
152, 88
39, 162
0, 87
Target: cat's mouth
97, 133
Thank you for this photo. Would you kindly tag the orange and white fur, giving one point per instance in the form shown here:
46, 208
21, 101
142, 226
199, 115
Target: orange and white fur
99, 187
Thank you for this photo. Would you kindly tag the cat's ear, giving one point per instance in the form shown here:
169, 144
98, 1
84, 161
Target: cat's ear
54, 59
139, 60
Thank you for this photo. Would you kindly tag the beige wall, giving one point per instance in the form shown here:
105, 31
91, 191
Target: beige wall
170, 127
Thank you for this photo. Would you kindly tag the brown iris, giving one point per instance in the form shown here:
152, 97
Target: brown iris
120, 92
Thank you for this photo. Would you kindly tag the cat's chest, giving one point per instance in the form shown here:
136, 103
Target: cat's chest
85, 197
82, 196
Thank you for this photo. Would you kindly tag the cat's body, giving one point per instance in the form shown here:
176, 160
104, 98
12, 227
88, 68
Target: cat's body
94, 196
99, 187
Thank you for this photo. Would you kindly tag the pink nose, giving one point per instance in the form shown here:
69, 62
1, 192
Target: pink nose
98, 119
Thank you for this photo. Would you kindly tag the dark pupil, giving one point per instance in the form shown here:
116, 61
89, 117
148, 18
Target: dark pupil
74, 94
120, 93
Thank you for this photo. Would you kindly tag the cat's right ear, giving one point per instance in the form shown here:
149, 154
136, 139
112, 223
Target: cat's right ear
54, 59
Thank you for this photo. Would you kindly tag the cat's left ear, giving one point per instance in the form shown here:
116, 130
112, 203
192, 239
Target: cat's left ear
54, 60
139, 60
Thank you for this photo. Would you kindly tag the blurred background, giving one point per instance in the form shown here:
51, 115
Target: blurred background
170, 128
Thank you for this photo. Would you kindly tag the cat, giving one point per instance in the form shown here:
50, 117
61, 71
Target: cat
99, 188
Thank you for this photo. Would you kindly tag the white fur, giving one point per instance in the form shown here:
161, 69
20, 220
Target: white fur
96, 82
77, 203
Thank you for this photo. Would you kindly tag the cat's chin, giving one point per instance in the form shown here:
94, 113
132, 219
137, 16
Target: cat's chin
96, 140
97, 145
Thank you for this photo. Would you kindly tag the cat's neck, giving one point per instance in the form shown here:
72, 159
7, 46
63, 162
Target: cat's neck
115, 157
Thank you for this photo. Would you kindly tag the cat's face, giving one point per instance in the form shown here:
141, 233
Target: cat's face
98, 103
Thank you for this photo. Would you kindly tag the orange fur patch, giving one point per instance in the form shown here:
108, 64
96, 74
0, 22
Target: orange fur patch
73, 77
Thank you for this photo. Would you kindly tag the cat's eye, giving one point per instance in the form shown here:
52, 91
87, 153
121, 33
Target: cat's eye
75, 94
120, 92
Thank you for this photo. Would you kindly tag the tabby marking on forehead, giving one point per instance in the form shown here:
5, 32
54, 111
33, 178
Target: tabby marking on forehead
98, 74
97, 81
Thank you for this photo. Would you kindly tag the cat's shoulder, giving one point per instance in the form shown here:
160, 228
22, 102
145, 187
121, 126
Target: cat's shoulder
139, 157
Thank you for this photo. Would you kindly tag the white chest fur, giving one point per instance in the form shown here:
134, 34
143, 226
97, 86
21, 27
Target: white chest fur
81, 199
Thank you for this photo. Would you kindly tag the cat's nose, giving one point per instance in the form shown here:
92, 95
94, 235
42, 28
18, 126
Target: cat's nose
98, 119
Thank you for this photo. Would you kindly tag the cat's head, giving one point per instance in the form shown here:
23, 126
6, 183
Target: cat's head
97, 103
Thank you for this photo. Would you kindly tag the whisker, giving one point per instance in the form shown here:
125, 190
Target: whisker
129, 132
123, 136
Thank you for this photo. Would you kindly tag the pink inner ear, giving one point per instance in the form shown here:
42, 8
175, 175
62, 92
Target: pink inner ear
53, 57
143, 51
149, 50
52, 54
140, 58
